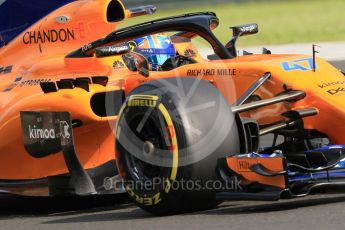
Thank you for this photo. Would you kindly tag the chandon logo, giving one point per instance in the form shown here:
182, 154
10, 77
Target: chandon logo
36, 133
48, 36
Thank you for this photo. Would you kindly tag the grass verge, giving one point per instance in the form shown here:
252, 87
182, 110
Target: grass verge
285, 21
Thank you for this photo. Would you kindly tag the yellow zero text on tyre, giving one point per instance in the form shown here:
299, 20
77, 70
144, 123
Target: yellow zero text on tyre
155, 199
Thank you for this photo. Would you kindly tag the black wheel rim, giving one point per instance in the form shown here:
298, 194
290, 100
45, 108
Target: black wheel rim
151, 132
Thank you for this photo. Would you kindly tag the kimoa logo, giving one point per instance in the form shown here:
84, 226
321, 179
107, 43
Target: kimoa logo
48, 36
36, 133
327, 84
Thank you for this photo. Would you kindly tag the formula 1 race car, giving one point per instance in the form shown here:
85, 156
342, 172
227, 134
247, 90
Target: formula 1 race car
185, 113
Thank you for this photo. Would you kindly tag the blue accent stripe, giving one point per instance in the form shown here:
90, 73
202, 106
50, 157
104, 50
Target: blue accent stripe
318, 175
151, 42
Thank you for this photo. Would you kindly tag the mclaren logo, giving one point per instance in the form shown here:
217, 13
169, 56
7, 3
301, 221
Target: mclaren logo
64, 129
36, 133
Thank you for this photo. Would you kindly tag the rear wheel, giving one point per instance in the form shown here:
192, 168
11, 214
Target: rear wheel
168, 144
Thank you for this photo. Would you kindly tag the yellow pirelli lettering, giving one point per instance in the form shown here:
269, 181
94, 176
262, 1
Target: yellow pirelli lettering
143, 100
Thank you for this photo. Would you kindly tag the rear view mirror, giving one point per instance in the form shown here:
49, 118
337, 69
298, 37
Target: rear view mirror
239, 31
136, 62
243, 30
142, 10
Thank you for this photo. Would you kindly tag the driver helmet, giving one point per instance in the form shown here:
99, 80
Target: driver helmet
156, 48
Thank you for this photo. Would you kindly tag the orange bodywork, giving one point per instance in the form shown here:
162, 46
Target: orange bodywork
34, 61
241, 166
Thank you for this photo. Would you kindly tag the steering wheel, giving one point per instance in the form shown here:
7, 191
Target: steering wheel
177, 61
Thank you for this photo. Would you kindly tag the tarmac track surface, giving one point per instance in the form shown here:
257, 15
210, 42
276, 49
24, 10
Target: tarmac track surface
339, 64
314, 212
116, 212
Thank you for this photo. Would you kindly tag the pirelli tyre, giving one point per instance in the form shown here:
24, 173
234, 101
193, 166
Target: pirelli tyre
169, 137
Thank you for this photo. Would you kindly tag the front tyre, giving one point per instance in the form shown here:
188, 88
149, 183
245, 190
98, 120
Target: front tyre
169, 137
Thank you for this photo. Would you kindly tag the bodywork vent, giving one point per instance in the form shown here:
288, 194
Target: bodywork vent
115, 12
107, 104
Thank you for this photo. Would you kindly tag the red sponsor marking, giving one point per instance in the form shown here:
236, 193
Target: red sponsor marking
81, 30
172, 148
171, 130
